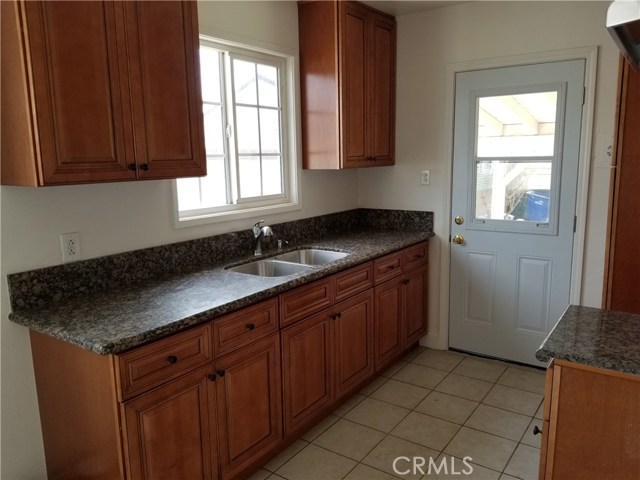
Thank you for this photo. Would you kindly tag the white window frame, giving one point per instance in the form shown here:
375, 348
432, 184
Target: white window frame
287, 201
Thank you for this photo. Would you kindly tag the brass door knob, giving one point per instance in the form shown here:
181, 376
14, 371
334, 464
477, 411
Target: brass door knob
459, 220
458, 239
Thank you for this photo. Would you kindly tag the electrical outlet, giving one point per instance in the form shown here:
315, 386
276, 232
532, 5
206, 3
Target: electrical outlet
70, 243
425, 177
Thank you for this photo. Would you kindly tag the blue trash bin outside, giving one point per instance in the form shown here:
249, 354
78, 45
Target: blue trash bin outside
537, 206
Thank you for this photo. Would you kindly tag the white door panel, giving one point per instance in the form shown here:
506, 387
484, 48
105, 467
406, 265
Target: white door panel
515, 168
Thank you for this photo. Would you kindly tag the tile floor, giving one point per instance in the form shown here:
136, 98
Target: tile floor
437, 404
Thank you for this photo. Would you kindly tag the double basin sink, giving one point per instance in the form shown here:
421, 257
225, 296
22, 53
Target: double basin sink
288, 263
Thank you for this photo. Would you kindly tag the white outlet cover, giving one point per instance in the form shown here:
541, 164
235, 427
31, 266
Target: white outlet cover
425, 177
70, 245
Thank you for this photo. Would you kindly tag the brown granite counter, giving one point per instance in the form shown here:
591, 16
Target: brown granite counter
109, 318
595, 337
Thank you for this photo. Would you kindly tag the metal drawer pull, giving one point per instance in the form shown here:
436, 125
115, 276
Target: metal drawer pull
390, 267
251, 326
212, 377
220, 373
172, 359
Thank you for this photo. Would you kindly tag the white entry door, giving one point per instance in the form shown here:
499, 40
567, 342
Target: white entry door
515, 170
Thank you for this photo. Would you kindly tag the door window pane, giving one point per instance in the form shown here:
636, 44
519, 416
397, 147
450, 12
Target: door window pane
520, 125
268, 85
271, 176
250, 185
248, 133
270, 130
513, 191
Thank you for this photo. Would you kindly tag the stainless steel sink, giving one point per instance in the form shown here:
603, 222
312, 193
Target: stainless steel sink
311, 256
269, 268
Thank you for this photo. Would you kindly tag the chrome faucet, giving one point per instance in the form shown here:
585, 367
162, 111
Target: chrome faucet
259, 233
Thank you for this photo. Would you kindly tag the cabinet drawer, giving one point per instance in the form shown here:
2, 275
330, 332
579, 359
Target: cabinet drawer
415, 255
154, 364
304, 301
387, 267
244, 327
354, 280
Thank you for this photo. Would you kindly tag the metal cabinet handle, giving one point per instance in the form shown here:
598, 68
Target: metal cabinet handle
132, 166
172, 359
251, 326
144, 166
212, 377
220, 373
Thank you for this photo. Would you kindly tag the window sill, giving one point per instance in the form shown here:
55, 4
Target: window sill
250, 212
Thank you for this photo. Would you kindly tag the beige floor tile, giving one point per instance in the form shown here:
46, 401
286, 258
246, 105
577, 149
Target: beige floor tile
447, 407
364, 472
465, 387
372, 386
540, 411
391, 448
513, 399
275, 477
349, 439
457, 468
504, 476
488, 370
498, 422
529, 380
524, 463
315, 431
484, 449
529, 438
428, 431
440, 359
420, 375
400, 393
377, 415
315, 463
348, 405
260, 475
285, 455
393, 369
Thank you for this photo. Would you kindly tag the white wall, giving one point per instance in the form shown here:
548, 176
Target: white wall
119, 217
427, 42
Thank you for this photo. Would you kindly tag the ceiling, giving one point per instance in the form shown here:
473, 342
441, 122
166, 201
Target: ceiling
404, 7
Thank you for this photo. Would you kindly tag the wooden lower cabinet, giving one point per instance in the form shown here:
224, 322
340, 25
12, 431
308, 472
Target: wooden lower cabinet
400, 314
306, 371
249, 405
168, 433
353, 343
591, 424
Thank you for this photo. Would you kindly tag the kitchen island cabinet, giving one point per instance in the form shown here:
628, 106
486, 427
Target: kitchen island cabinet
592, 397
100, 91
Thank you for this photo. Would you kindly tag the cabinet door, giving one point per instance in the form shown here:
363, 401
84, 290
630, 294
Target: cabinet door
388, 318
415, 305
249, 405
165, 86
78, 61
383, 103
353, 336
170, 431
307, 371
354, 80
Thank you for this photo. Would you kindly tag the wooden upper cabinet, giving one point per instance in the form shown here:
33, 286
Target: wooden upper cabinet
100, 92
347, 68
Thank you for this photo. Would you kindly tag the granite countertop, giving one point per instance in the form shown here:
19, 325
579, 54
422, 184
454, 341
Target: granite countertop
595, 337
118, 319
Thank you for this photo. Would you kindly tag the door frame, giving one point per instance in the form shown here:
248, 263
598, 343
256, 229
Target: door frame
590, 55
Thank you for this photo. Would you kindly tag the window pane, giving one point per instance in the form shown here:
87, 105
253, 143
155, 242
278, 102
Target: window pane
249, 177
517, 125
214, 188
271, 176
270, 130
244, 81
247, 125
213, 133
268, 86
188, 193
210, 74
513, 191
